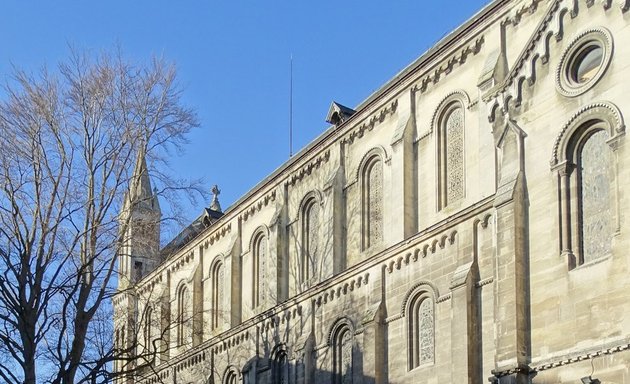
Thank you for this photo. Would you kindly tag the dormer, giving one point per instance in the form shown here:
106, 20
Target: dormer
337, 114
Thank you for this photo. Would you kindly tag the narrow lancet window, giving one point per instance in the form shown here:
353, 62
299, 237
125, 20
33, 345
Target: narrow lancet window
372, 203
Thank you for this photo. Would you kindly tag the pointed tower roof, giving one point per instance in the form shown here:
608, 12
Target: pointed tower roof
140, 192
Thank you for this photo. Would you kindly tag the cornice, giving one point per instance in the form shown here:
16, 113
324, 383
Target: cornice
231, 342
308, 168
341, 289
258, 205
185, 259
273, 320
585, 354
149, 286
429, 246
446, 66
526, 8
369, 123
215, 236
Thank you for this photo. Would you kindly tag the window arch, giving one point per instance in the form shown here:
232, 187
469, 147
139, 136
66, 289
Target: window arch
585, 162
217, 278
148, 328
341, 341
184, 316
259, 258
451, 165
420, 329
372, 201
231, 376
280, 365
310, 238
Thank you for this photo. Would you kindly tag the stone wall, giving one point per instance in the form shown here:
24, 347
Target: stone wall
435, 236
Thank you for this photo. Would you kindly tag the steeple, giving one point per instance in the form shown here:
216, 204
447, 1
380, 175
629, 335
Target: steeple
141, 195
139, 253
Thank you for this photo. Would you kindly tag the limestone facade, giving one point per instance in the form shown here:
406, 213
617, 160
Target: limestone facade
463, 224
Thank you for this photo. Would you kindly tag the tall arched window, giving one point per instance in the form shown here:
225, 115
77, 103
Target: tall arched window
148, 325
342, 355
184, 316
588, 172
280, 366
420, 330
451, 180
217, 278
594, 183
585, 162
259, 256
310, 239
372, 202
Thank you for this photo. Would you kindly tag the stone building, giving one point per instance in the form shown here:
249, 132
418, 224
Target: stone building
465, 223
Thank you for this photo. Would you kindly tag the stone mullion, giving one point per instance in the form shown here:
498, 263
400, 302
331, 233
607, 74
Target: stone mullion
564, 180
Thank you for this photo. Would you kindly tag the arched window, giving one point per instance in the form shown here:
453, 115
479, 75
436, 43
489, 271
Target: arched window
342, 354
420, 330
148, 325
451, 177
585, 162
231, 376
372, 202
184, 316
310, 239
280, 366
217, 277
259, 256
588, 172
594, 188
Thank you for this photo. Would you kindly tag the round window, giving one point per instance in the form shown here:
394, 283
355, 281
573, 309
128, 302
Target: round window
584, 62
585, 66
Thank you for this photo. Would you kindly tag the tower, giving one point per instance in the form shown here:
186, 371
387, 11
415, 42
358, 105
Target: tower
140, 217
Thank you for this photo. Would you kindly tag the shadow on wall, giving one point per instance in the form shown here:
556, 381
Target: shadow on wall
280, 369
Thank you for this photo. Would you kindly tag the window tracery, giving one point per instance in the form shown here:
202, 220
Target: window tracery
258, 261
148, 324
586, 184
585, 161
184, 316
595, 160
310, 239
217, 293
372, 204
280, 367
342, 355
421, 331
451, 155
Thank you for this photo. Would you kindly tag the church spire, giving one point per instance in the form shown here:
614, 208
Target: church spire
141, 194
140, 221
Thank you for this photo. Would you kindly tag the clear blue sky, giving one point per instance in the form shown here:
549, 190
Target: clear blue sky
233, 60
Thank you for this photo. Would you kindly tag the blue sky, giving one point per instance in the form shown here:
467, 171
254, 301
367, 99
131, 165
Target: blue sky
233, 60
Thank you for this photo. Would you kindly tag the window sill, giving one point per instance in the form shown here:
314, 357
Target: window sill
599, 260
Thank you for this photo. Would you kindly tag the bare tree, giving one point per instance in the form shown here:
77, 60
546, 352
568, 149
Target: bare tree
68, 145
